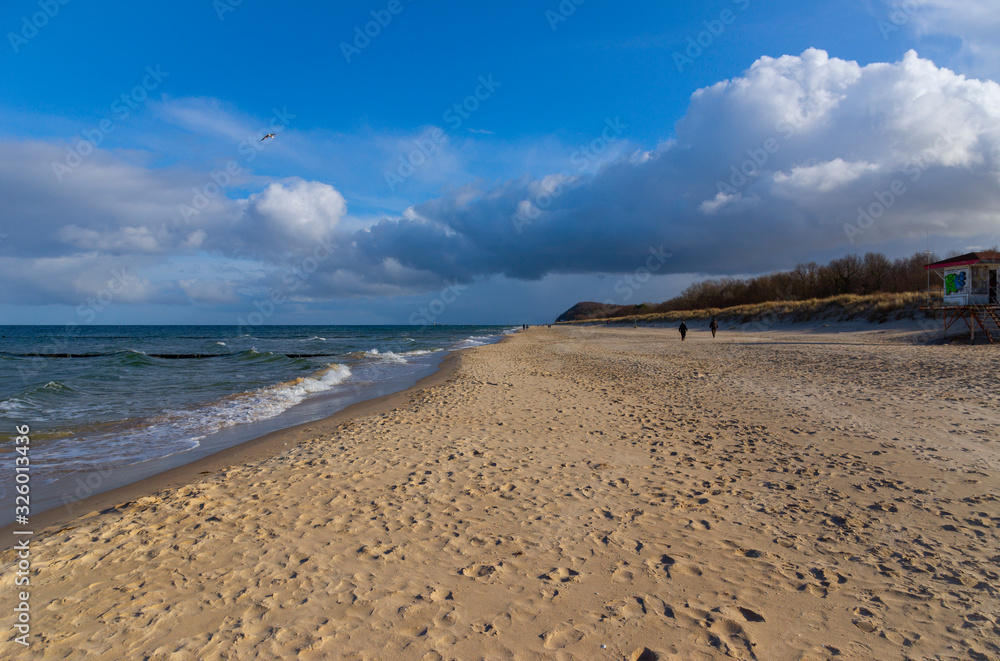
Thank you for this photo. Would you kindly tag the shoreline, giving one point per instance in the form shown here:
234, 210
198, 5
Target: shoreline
582, 493
254, 449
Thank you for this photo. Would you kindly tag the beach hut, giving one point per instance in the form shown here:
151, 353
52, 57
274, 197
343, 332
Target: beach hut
969, 292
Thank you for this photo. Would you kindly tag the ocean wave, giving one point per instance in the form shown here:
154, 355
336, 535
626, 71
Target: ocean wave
131, 353
475, 341
180, 430
17, 405
56, 355
270, 401
420, 352
386, 356
131, 358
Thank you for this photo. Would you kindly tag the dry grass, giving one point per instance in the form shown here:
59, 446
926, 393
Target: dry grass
875, 308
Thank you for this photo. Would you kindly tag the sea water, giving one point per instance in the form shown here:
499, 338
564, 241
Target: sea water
99, 398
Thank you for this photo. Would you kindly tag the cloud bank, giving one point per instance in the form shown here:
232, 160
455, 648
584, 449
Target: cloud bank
800, 155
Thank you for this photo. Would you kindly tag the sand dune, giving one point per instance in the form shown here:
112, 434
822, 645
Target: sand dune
579, 493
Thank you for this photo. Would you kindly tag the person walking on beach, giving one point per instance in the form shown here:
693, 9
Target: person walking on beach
683, 329
714, 326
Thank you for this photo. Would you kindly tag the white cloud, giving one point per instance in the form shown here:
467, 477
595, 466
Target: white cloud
731, 203
303, 211
765, 166
194, 239
772, 163
975, 23
824, 177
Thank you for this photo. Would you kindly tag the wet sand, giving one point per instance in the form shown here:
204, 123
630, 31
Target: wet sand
573, 493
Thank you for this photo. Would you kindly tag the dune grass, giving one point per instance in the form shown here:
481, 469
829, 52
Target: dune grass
874, 308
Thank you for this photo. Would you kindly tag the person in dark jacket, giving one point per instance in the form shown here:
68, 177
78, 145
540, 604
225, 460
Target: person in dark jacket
683, 329
714, 326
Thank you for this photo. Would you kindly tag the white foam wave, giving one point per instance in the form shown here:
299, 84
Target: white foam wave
386, 357
16, 405
55, 385
252, 406
182, 430
420, 352
475, 341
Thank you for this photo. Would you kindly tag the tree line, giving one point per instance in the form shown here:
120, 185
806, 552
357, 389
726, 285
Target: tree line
854, 274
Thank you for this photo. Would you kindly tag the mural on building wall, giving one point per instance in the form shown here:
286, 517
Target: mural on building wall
955, 281
957, 285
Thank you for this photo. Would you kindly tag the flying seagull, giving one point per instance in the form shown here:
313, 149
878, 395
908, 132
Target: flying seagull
269, 135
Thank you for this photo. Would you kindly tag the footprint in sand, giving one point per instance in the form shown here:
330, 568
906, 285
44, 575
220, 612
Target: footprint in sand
434, 595
644, 654
622, 575
629, 608
482, 571
736, 639
446, 617
561, 575
749, 615
865, 625
559, 638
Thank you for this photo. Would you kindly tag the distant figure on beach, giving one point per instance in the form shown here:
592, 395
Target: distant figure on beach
714, 326
683, 329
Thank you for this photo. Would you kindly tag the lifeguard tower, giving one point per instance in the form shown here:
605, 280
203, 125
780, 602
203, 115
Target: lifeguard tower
969, 292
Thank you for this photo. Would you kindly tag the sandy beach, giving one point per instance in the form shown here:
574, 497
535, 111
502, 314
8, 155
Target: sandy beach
571, 493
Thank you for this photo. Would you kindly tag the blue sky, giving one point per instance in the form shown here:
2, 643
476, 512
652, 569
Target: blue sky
474, 162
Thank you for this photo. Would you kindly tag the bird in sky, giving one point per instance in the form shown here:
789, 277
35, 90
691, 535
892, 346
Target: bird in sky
269, 135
